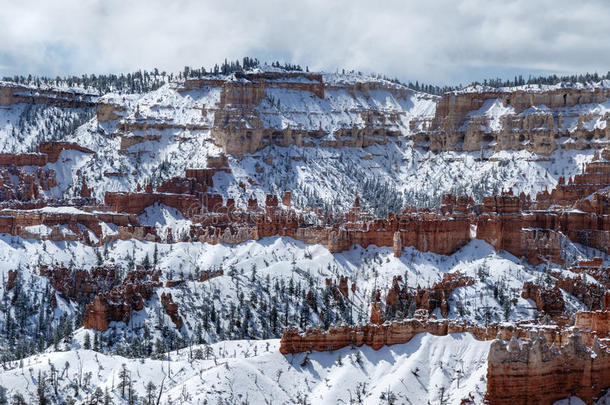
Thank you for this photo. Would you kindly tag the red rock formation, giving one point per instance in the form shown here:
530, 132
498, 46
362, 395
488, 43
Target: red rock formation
117, 304
18, 183
173, 283
252, 203
595, 176
171, 309
48, 152
592, 295
286, 198
535, 373
597, 322
376, 313
20, 223
343, 289
78, 284
271, 201
397, 244
53, 149
546, 299
84, 190
12, 278
437, 296
536, 235
210, 274
96, 315
390, 333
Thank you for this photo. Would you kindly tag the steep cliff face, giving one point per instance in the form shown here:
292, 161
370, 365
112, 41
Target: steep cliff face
150, 137
534, 372
377, 335
304, 109
117, 304
11, 94
530, 118
578, 210
249, 111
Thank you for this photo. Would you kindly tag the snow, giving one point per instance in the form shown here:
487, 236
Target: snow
428, 368
163, 218
535, 88
286, 261
254, 371
494, 109
414, 176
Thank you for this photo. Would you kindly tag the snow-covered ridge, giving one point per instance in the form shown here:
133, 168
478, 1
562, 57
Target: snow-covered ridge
254, 370
535, 88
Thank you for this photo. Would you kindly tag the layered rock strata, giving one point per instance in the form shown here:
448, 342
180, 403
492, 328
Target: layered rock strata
533, 119
398, 332
537, 372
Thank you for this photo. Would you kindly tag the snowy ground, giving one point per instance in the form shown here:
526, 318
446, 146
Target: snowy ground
265, 283
427, 369
274, 274
390, 175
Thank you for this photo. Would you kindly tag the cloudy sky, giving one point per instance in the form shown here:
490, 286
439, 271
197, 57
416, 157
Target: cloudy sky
435, 41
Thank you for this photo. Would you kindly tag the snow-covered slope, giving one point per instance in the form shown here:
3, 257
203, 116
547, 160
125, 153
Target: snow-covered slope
161, 133
427, 369
263, 290
278, 282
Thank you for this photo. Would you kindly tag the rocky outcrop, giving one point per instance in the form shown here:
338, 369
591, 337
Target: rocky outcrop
117, 304
21, 184
54, 149
60, 224
11, 93
577, 210
96, 315
245, 118
171, 309
79, 284
595, 176
398, 332
208, 274
546, 299
520, 119
12, 278
400, 298
593, 295
397, 244
534, 372
597, 322
370, 335
107, 111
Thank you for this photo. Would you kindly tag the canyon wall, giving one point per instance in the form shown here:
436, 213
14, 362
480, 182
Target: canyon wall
11, 93
577, 209
531, 119
536, 372
527, 363
399, 332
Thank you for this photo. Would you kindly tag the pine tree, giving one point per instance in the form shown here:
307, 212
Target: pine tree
87, 341
41, 389
107, 399
150, 393
124, 379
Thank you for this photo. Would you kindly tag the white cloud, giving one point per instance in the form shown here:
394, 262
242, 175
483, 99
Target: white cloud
440, 41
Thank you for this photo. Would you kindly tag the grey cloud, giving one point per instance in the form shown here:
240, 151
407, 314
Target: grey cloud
441, 41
